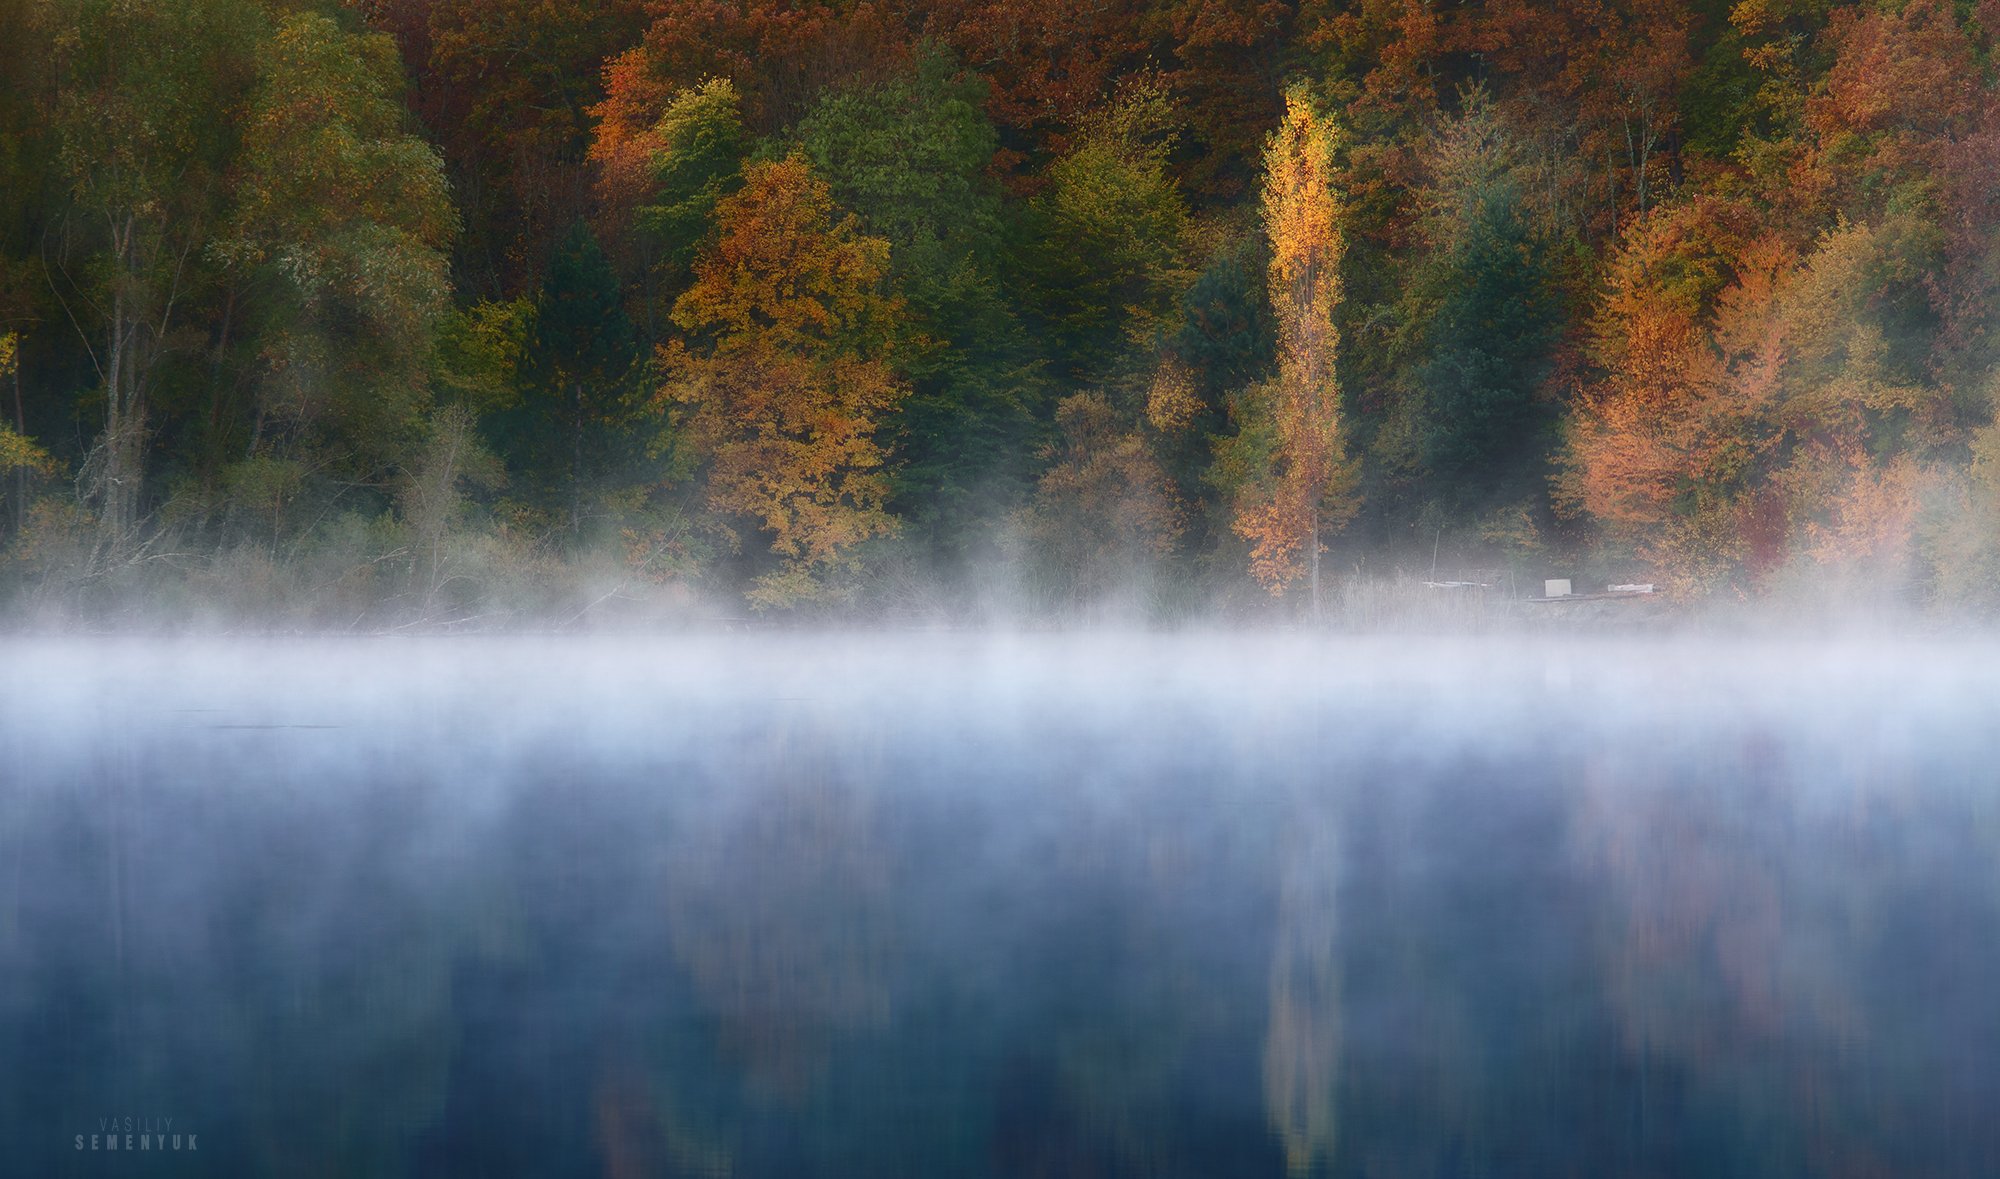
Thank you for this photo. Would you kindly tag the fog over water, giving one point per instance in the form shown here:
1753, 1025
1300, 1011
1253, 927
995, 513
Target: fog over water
1053, 905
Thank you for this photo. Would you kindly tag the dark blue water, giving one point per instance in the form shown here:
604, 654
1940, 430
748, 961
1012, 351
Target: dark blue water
1042, 907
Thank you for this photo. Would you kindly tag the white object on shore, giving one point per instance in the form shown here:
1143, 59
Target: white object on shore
1556, 588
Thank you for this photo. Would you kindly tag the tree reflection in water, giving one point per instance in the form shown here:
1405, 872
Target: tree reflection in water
779, 904
1037, 925
1302, 1045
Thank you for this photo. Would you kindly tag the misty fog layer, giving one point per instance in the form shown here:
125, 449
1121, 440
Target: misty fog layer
1055, 905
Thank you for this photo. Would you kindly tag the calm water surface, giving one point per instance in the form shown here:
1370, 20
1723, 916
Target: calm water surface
954, 906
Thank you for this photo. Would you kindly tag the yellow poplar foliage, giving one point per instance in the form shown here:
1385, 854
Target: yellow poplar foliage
783, 390
1302, 214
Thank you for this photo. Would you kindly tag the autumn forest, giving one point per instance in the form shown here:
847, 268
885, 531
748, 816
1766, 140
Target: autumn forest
452, 312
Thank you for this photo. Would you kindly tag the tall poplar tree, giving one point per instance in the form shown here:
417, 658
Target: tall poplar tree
1285, 512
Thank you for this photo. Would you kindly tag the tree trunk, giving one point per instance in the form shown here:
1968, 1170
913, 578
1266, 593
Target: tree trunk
1315, 564
216, 415
111, 529
576, 464
21, 475
121, 457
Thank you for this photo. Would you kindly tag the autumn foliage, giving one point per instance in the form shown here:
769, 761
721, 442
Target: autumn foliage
785, 385
907, 306
1283, 515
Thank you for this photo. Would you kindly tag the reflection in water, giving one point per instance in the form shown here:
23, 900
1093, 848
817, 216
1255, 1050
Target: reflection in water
1741, 945
808, 908
1698, 925
642, 1134
1302, 1046
778, 904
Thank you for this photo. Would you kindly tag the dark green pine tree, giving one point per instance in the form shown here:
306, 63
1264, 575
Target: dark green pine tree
1227, 341
1485, 432
567, 434
909, 157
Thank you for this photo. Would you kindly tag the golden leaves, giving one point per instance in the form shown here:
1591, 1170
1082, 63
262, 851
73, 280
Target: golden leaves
1302, 214
783, 398
1171, 403
1756, 402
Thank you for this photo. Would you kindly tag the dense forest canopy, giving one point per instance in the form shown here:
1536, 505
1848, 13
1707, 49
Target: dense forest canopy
405, 312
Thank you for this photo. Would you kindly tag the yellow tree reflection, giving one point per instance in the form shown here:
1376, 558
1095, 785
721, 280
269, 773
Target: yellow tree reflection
1302, 1044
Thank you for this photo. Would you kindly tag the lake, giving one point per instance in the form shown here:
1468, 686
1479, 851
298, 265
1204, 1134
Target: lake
960, 905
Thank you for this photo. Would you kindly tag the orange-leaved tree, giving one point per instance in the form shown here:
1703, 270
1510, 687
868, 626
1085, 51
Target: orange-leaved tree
1104, 511
1284, 508
776, 58
782, 380
1759, 403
